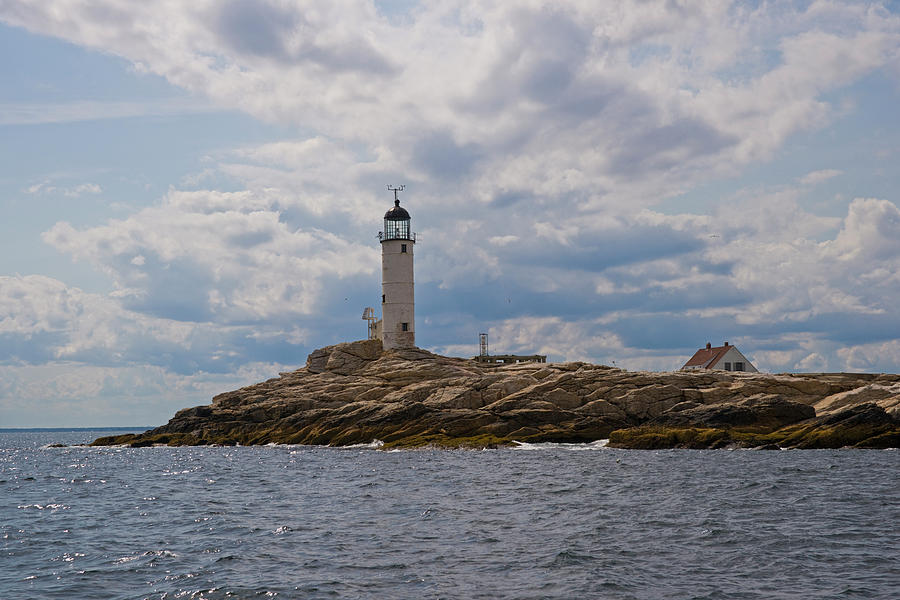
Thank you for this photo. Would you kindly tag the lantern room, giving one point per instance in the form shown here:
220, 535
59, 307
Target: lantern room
396, 222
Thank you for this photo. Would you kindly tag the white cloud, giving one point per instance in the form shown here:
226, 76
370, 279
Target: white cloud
793, 301
870, 237
815, 177
74, 191
503, 240
629, 103
874, 357
65, 394
220, 257
44, 321
819, 355
537, 140
70, 323
794, 277
77, 111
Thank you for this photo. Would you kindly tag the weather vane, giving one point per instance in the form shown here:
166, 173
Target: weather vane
399, 188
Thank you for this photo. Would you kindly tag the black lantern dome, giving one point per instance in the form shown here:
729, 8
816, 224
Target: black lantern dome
398, 213
396, 221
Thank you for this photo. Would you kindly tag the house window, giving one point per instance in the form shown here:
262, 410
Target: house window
404, 326
738, 366
382, 299
727, 366
402, 247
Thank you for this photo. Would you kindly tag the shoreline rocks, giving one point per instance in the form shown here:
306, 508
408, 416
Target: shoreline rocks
355, 393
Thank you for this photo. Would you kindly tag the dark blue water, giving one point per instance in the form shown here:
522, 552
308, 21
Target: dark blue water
546, 522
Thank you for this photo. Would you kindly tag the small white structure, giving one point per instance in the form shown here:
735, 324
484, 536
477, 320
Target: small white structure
374, 323
398, 314
721, 358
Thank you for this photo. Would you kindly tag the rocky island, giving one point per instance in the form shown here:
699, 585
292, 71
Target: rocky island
358, 392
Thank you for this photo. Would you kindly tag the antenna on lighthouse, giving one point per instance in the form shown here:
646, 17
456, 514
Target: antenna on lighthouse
396, 190
483, 344
369, 315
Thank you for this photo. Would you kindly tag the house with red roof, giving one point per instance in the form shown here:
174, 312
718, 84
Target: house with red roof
721, 358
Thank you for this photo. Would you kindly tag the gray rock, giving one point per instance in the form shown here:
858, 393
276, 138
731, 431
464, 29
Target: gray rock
355, 392
769, 411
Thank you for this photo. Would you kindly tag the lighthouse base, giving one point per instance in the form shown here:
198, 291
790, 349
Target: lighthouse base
400, 339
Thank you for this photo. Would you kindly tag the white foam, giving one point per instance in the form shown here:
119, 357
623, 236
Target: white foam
44, 506
596, 445
374, 444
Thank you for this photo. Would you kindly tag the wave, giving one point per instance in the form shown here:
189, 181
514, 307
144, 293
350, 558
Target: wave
596, 445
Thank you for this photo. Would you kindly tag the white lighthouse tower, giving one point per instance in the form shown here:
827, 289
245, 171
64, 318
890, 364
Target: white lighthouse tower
398, 315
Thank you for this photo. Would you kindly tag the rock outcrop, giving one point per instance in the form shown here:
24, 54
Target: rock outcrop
356, 393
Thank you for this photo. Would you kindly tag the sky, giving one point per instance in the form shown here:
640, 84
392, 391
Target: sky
191, 191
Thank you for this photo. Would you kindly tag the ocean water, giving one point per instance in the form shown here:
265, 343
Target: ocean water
546, 521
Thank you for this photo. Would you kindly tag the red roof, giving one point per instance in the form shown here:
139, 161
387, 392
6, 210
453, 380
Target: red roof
705, 358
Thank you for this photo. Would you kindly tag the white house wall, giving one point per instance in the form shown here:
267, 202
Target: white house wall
732, 356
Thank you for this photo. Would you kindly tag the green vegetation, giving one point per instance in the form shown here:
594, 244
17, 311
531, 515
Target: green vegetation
657, 438
858, 436
114, 440
794, 436
643, 437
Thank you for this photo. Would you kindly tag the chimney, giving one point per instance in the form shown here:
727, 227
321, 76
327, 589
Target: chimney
726, 344
708, 345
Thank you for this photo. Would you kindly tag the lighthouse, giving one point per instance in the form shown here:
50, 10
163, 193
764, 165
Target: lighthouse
398, 315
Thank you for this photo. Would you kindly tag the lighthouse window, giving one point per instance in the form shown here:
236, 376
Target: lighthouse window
404, 326
402, 247
382, 299
396, 230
